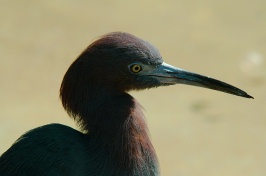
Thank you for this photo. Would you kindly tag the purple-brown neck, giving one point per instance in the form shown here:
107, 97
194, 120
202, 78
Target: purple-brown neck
112, 118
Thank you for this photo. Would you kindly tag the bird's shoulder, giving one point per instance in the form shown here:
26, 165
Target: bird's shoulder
45, 149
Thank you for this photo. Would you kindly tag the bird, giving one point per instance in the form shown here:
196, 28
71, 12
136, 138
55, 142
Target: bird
113, 137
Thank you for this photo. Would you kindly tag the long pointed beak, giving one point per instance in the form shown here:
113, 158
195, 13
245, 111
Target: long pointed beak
168, 74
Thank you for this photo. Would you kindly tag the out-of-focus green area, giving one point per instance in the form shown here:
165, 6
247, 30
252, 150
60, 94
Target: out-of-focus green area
195, 131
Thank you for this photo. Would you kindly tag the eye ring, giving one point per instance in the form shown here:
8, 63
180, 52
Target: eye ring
135, 68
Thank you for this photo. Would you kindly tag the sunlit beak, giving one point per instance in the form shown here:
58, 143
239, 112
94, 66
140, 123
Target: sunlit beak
168, 74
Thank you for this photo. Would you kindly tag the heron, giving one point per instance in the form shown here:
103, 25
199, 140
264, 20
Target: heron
113, 138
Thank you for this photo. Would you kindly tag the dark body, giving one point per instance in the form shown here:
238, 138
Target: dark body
114, 138
46, 151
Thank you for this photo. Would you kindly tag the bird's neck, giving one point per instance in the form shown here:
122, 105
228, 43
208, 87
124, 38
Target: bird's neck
116, 122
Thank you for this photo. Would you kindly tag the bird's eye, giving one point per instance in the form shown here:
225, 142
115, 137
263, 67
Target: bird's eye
135, 68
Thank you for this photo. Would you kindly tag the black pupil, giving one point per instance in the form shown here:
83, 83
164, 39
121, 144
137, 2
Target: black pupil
135, 68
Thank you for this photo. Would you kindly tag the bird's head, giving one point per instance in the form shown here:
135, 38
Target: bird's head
123, 62
119, 61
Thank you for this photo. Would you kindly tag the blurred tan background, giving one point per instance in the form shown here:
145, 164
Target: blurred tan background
195, 131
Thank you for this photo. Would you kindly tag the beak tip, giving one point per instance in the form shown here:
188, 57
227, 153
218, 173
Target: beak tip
247, 96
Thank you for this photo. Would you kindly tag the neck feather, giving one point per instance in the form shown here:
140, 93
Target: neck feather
116, 122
